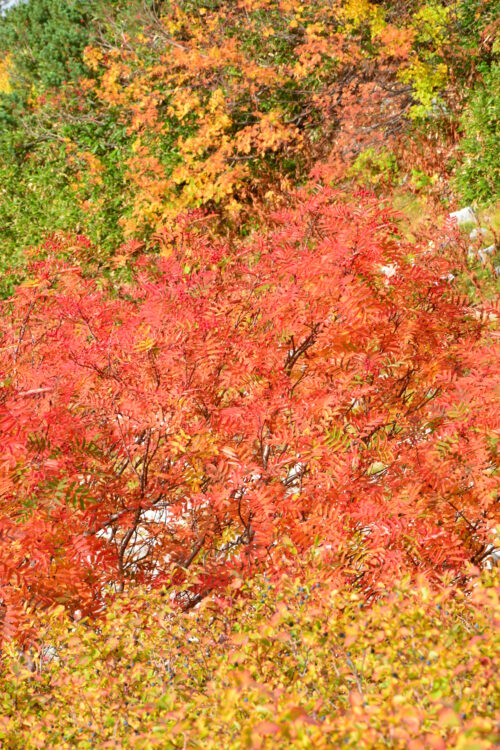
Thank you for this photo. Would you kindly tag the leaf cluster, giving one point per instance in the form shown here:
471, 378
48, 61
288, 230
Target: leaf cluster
269, 664
324, 379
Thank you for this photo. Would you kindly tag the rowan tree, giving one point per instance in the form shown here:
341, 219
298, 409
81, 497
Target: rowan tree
324, 381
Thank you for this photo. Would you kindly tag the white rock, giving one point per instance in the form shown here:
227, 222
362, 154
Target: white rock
478, 232
6, 4
464, 216
389, 271
486, 251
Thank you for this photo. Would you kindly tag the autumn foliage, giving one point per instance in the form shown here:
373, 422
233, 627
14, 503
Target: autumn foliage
248, 409
222, 106
325, 382
177, 105
290, 664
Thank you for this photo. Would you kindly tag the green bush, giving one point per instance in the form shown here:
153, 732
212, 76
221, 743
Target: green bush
478, 178
45, 39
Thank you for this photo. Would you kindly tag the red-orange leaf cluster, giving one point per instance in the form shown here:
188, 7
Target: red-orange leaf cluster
322, 382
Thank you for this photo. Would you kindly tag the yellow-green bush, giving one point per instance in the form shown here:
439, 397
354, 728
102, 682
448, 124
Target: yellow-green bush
289, 664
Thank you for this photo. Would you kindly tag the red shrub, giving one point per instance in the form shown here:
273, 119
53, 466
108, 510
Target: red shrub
324, 382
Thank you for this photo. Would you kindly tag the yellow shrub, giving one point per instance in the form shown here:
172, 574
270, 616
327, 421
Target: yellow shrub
289, 664
5, 86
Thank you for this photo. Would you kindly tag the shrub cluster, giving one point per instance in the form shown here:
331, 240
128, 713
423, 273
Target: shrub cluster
249, 416
292, 662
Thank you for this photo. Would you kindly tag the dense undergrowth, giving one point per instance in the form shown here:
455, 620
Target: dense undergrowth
249, 374
292, 663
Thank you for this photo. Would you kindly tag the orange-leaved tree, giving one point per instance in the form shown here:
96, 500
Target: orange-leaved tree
189, 105
324, 382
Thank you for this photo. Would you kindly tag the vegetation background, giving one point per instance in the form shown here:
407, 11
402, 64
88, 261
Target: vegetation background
249, 371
